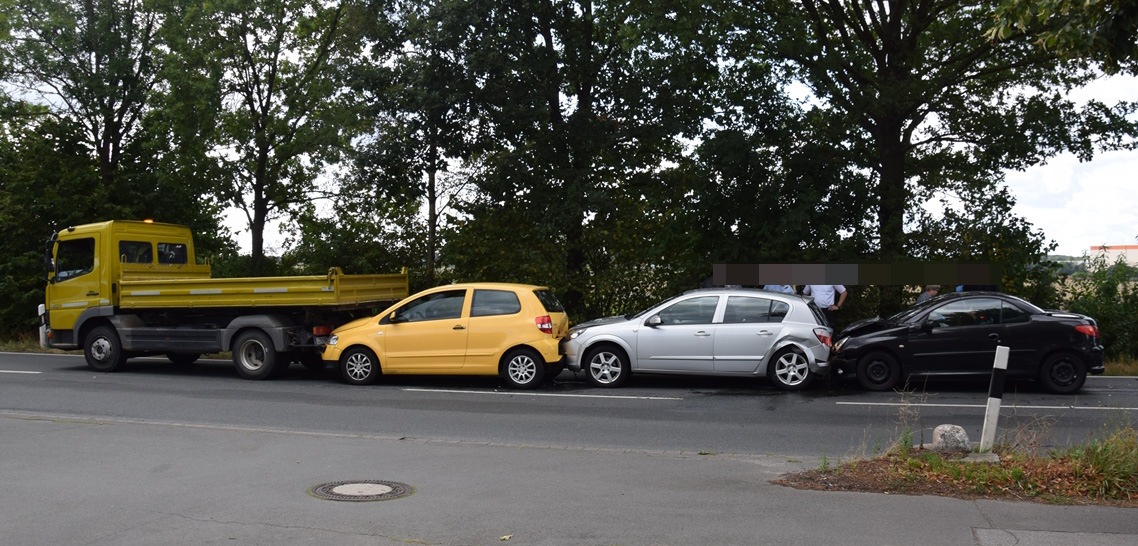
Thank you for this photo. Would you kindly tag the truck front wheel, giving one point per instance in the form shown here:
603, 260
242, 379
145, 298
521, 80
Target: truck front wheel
254, 355
103, 350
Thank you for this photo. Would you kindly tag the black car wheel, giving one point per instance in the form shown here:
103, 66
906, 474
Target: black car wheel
359, 366
790, 371
607, 366
1063, 373
878, 371
523, 369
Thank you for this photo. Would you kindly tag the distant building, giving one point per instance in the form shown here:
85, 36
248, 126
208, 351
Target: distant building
1113, 252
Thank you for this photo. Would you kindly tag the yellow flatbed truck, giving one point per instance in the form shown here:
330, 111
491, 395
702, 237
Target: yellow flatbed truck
123, 288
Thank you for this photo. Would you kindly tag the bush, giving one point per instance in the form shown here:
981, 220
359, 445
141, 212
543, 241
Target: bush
1109, 294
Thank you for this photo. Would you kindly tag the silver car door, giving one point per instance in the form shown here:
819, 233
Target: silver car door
748, 331
683, 340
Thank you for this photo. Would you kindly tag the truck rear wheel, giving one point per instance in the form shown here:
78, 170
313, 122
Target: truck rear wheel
253, 355
103, 350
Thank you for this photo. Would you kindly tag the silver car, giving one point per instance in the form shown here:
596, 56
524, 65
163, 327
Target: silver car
716, 331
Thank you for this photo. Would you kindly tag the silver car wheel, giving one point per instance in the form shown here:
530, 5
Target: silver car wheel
605, 367
791, 369
522, 369
357, 367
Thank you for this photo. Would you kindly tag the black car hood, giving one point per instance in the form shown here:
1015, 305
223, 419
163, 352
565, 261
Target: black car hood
868, 326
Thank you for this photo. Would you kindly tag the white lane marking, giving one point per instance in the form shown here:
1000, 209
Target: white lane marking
517, 393
983, 406
17, 371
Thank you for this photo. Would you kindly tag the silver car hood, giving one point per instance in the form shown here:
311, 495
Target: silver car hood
601, 322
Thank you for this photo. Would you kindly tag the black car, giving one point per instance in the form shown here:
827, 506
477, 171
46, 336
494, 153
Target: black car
956, 335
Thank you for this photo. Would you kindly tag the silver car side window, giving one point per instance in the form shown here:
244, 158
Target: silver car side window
690, 311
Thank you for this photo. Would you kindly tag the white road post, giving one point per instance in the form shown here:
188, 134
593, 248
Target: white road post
995, 394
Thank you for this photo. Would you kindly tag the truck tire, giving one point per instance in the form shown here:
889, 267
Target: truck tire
254, 356
103, 350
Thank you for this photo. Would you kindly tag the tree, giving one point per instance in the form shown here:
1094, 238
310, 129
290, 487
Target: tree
419, 97
583, 101
285, 113
929, 105
1102, 30
95, 60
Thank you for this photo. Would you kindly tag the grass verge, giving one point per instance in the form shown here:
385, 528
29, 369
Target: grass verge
1101, 471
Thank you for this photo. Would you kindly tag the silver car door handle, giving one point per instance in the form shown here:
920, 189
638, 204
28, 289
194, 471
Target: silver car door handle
764, 333
702, 334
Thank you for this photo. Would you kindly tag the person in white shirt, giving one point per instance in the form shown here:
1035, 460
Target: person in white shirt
824, 297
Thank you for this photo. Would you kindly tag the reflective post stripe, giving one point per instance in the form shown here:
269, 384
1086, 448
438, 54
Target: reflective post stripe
995, 396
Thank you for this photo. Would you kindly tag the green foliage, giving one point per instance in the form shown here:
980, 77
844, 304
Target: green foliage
285, 112
1101, 30
1108, 292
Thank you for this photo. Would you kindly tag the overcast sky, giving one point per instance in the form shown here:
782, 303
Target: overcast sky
1080, 205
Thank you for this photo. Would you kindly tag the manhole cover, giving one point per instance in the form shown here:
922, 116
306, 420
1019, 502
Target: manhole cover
361, 490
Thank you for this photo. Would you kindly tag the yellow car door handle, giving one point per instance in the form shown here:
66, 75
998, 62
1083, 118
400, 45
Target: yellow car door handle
458, 327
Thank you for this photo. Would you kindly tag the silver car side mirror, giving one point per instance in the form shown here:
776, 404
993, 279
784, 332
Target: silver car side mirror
654, 320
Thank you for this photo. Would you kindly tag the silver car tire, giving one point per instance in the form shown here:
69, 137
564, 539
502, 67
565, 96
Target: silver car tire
607, 366
523, 369
790, 371
359, 366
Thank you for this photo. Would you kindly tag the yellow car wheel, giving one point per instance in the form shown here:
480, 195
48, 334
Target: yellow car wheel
359, 366
523, 369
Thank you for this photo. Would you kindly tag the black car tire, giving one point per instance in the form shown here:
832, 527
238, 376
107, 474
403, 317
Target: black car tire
359, 366
607, 366
1063, 373
102, 349
523, 369
790, 371
183, 359
878, 371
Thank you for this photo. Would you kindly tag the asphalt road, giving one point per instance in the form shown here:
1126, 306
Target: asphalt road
157, 454
663, 413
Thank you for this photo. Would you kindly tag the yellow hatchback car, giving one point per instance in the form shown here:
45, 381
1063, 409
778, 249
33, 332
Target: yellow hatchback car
510, 330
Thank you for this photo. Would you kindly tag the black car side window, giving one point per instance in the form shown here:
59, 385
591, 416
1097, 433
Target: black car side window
1010, 314
971, 312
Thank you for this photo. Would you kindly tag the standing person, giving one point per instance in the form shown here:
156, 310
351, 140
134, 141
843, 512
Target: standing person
782, 288
930, 291
824, 297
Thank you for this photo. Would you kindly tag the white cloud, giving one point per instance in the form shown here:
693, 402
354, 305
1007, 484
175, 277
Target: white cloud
1081, 205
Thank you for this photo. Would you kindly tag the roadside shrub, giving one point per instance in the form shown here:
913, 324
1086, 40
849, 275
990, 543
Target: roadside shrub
1108, 293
